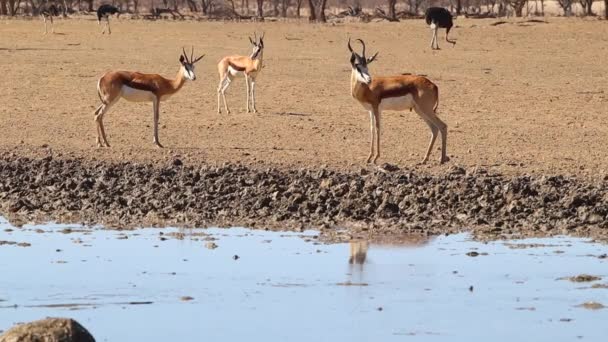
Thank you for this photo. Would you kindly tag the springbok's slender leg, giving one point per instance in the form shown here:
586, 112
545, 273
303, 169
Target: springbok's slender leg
97, 125
248, 91
101, 133
44, 19
255, 110
429, 114
52, 25
156, 115
371, 136
219, 94
434, 131
377, 129
223, 86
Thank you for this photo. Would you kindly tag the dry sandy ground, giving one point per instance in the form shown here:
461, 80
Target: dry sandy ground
518, 97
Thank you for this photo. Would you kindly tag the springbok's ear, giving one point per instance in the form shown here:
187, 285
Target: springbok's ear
372, 58
181, 59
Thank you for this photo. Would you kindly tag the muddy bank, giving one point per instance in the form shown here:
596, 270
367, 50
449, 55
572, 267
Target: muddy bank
366, 202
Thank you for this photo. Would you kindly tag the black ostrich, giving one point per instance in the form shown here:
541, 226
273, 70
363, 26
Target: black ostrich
439, 17
105, 11
49, 10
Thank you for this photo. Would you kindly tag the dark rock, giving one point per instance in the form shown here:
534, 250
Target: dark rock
48, 330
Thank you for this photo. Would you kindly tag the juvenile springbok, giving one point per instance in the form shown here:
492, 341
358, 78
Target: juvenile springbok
231, 66
395, 93
138, 87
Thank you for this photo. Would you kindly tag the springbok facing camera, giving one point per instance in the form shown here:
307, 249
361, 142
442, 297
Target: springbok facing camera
439, 17
231, 66
105, 11
395, 93
138, 87
49, 11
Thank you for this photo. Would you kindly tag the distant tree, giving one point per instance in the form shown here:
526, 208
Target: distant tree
322, 6
205, 6
566, 5
414, 5
587, 6
606, 9
3, 7
392, 13
313, 12
261, 9
284, 6
518, 6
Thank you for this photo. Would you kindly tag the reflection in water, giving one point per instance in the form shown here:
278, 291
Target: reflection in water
391, 289
358, 248
358, 252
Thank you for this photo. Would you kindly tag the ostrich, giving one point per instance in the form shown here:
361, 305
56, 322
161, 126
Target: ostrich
439, 17
105, 11
49, 10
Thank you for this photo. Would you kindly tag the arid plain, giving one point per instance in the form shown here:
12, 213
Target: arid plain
519, 97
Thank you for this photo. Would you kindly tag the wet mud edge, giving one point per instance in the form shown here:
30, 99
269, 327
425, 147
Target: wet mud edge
341, 204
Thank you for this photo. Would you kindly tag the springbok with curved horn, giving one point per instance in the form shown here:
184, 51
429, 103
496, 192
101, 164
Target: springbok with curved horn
138, 87
250, 66
395, 93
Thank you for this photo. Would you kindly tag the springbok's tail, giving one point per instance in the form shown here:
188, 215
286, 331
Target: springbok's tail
436, 100
99, 92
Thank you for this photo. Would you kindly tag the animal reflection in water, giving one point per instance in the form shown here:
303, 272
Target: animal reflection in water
358, 252
359, 248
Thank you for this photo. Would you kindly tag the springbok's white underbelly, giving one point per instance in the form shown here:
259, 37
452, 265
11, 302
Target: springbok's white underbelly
394, 103
397, 103
232, 71
137, 95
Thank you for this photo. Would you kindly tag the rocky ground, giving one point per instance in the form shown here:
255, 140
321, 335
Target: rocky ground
365, 202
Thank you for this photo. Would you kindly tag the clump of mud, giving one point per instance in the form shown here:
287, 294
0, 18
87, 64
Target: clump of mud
582, 278
366, 202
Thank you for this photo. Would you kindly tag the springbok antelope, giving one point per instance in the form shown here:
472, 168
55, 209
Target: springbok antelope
49, 11
439, 17
105, 11
395, 93
138, 87
231, 66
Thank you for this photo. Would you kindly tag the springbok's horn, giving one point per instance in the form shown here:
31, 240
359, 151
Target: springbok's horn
363, 44
185, 56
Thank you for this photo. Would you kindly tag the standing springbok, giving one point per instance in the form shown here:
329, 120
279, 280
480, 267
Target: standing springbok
138, 87
439, 17
395, 93
231, 66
